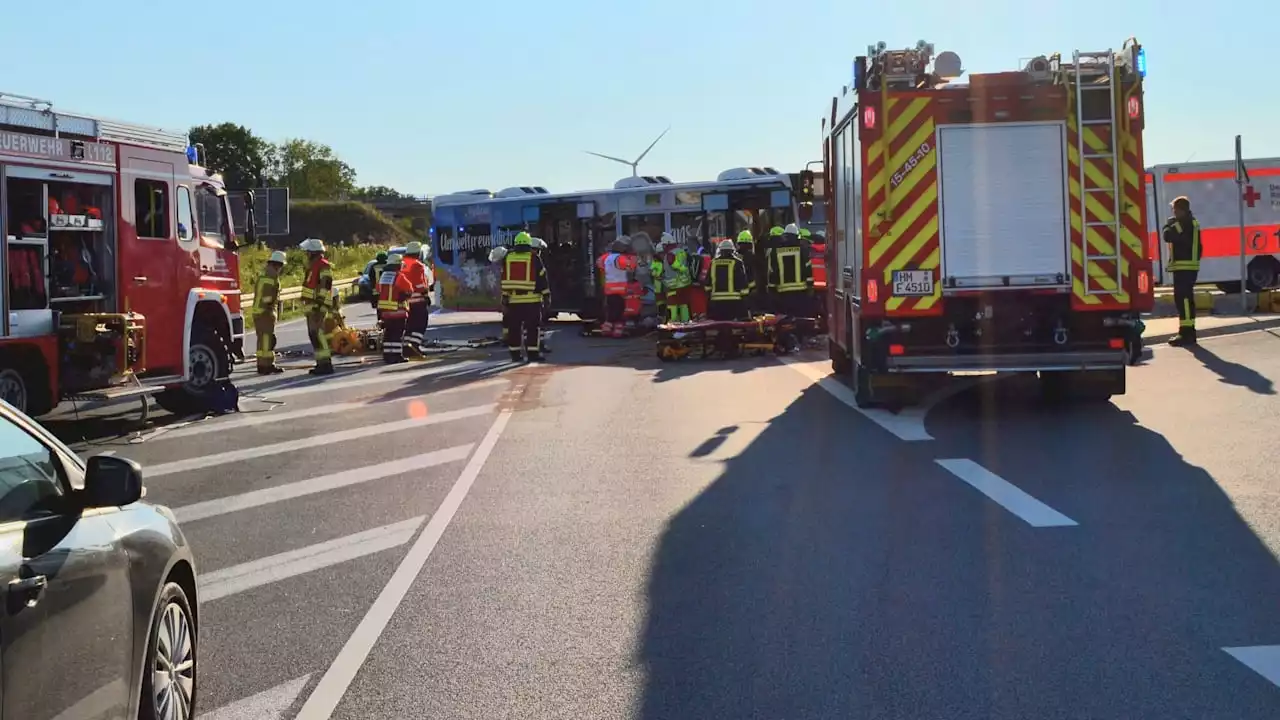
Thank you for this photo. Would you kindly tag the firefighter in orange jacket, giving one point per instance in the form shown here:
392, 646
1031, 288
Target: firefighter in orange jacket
415, 330
394, 291
818, 261
525, 290
317, 293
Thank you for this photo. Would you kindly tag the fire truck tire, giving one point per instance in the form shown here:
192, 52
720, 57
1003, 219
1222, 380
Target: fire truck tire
211, 358
24, 383
840, 361
862, 394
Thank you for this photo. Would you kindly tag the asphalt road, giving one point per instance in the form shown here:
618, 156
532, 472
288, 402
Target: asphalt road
606, 536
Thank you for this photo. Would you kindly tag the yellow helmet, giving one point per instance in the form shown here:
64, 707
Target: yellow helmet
775, 231
522, 238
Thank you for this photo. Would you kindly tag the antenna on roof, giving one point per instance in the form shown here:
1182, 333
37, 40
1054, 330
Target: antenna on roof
636, 162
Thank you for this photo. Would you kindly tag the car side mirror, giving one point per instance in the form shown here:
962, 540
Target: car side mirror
111, 481
183, 233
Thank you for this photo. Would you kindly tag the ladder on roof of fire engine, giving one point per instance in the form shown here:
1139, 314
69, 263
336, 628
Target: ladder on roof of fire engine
1086, 69
28, 113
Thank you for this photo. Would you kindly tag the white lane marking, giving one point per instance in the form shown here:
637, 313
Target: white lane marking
246, 576
1262, 659
231, 456
272, 417
1006, 494
907, 425
324, 483
314, 385
322, 702
270, 704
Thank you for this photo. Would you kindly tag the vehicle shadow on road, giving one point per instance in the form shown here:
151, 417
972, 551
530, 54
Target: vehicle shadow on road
764, 590
835, 573
1233, 373
1160, 574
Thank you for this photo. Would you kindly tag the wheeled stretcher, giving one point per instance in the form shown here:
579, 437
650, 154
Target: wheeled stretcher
704, 339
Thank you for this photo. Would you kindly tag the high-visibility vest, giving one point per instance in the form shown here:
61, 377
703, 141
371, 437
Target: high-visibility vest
314, 288
818, 259
678, 261
615, 267
265, 294
394, 290
723, 276
518, 280
790, 275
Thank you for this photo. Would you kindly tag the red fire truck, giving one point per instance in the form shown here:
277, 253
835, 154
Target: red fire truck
990, 223
118, 273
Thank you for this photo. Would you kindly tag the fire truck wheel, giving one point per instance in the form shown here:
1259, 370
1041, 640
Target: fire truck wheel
23, 385
840, 362
862, 394
210, 360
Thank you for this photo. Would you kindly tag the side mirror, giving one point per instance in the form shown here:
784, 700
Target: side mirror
111, 481
183, 233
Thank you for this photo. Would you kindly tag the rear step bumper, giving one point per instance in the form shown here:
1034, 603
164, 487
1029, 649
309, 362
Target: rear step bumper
1020, 362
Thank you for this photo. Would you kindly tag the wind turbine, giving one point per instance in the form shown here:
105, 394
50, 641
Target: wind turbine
630, 163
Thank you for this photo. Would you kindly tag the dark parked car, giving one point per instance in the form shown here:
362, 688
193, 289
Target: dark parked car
100, 615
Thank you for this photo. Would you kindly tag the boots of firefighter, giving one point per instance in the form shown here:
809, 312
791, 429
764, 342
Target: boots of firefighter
606, 328
1186, 336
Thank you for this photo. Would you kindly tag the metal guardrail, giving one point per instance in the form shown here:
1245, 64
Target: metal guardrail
288, 296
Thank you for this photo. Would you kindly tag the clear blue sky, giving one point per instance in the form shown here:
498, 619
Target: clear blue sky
437, 96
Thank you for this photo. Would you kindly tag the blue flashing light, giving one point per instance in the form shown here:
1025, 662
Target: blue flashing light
1142, 62
192, 154
859, 72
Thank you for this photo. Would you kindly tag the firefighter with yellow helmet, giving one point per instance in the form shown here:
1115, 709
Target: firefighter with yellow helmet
317, 295
524, 292
266, 296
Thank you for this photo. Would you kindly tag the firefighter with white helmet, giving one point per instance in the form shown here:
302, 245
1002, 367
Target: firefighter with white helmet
728, 282
394, 290
266, 296
420, 304
317, 294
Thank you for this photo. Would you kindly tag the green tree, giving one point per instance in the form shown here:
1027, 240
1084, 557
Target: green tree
380, 192
234, 151
311, 171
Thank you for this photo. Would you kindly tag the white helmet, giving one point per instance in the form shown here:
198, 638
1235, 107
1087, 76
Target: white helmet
791, 229
666, 240
496, 254
311, 245
538, 243
395, 259
413, 249
277, 257
726, 244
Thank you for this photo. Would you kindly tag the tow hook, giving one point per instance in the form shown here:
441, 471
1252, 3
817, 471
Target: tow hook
1060, 335
953, 337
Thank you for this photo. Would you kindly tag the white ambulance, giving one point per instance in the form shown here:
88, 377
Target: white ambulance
1215, 200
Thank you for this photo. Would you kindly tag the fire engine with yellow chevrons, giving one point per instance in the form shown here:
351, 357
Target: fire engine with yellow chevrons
987, 222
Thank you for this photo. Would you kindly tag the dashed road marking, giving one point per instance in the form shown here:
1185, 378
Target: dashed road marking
1006, 494
1262, 659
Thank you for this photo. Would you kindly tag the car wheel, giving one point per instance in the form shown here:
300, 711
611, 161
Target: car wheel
13, 388
169, 678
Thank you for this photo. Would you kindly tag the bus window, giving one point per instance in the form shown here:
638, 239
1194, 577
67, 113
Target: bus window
651, 225
473, 244
688, 229
444, 245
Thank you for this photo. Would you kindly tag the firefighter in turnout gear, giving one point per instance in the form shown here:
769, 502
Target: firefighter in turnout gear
1182, 232
747, 251
791, 275
394, 291
617, 267
728, 284
420, 304
539, 245
266, 295
678, 279
317, 294
817, 244
525, 291
375, 274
